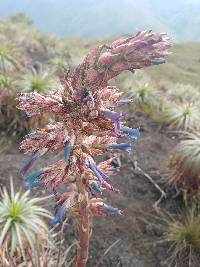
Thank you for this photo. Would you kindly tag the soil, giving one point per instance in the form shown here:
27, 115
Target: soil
138, 244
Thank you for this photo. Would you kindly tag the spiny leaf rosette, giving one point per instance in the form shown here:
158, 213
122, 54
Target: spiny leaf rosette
88, 124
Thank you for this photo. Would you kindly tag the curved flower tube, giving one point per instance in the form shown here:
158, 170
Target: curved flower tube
123, 146
133, 133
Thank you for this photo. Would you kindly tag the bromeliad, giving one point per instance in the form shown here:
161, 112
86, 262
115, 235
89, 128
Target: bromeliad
88, 123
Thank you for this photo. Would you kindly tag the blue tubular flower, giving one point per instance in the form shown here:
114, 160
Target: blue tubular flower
109, 210
29, 163
24, 116
99, 174
124, 101
112, 115
123, 146
158, 61
103, 175
59, 217
93, 167
96, 187
117, 125
32, 180
67, 150
134, 133
89, 98
115, 164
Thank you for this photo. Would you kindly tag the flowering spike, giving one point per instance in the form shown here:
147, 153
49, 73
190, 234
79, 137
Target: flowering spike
85, 117
135, 52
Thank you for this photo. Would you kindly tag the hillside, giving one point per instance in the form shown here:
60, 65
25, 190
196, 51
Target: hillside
110, 18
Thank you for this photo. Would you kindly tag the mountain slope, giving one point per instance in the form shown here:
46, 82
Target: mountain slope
92, 18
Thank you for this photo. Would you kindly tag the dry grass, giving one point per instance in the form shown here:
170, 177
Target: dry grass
183, 234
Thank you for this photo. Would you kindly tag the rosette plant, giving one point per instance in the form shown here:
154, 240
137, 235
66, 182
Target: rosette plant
22, 225
184, 166
8, 58
183, 116
87, 123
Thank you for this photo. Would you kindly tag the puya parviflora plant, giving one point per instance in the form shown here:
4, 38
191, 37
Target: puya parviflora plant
22, 222
9, 115
40, 81
88, 124
9, 58
184, 166
60, 65
144, 94
150, 101
179, 109
8, 92
181, 93
183, 116
147, 99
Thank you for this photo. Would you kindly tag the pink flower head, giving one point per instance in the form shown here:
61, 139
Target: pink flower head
86, 122
134, 52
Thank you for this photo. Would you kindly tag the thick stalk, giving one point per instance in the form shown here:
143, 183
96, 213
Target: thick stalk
84, 232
